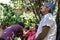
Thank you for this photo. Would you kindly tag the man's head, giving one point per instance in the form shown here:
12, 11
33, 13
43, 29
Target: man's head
47, 7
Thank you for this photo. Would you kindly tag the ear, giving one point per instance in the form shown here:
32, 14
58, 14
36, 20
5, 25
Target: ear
48, 9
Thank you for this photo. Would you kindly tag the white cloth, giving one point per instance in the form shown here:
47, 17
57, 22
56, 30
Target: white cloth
49, 21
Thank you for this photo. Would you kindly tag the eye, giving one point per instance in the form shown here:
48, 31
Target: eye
42, 5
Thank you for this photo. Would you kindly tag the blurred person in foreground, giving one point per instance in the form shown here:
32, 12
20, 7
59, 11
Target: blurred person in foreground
13, 31
31, 33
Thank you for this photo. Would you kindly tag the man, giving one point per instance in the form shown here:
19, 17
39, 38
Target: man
13, 31
47, 27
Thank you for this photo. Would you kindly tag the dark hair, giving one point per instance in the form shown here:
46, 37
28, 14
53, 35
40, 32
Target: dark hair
27, 28
2, 39
36, 26
49, 10
22, 24
4, 25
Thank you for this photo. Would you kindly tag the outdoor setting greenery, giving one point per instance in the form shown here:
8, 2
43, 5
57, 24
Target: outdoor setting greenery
16, 13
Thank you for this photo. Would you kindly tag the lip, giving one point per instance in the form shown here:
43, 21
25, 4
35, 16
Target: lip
40, 8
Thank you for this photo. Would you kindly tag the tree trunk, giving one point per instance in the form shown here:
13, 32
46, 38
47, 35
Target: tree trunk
58, 21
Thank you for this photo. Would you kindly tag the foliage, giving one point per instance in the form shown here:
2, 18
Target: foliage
1, 13
29, 19
25, 5
17, 38
12, 18
7, 13
33, 5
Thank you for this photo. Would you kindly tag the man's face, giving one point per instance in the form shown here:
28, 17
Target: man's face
43, 8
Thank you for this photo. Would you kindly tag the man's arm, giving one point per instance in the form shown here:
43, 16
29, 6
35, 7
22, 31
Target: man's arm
42, 35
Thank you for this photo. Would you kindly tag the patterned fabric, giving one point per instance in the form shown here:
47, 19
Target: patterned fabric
49, 21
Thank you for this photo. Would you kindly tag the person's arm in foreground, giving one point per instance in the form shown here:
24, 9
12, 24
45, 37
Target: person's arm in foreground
42, 35
25, 33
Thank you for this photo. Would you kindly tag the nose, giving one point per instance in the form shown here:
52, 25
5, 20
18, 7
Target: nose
41, 7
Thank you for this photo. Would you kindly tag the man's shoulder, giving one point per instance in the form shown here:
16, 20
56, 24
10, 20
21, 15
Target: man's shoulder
48, 16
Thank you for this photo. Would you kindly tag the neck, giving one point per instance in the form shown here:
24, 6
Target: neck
45, 13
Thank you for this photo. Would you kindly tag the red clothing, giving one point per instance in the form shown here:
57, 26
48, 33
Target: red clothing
31, 35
